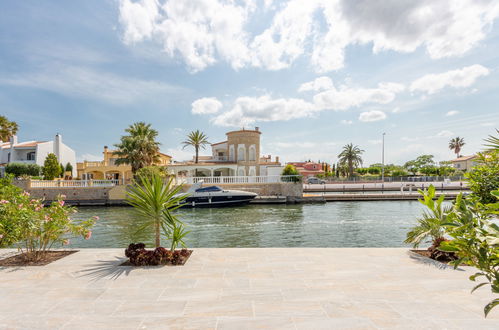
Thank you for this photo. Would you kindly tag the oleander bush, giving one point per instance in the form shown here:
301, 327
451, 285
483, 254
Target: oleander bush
34, 228
21, 169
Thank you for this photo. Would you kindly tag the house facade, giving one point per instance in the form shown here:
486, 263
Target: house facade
464, 163
238, 155
307, 169
35, 152
107, 169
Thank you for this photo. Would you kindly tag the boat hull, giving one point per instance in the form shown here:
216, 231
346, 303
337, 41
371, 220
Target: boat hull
218, 201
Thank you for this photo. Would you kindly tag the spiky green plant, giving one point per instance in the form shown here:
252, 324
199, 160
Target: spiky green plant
492, 142
155, 200
430, 225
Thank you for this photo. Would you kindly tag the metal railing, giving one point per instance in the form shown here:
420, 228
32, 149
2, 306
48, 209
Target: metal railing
238, 179
73, 183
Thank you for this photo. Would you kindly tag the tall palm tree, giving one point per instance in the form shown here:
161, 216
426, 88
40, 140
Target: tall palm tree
138, 149
350, 156
196, 139
456, 144
7, 128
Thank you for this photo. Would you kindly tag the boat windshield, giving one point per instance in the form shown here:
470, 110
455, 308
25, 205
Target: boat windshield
209, 189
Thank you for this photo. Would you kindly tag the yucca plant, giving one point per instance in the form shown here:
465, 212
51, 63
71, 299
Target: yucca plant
430, 225
155, 200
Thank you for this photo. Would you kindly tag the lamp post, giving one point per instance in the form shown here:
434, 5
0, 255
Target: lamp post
383, 160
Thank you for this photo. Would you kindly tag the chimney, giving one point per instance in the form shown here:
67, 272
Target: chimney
257, 128
57, 146
106, 161
277, 159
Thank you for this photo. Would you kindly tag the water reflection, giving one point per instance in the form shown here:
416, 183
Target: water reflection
338, 224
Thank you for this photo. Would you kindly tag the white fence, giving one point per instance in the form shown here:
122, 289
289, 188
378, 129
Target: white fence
73, 183
238, 179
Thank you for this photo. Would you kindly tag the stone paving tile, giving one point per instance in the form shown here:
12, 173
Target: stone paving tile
244, 288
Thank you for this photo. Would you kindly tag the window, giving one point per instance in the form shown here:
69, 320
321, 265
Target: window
241, 154
252, 153
31, 155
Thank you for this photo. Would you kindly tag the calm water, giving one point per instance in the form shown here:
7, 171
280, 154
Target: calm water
337, 224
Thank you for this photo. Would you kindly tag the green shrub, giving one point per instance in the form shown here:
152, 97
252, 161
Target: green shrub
20, 169
151, 171
484, 177
69, 167
290, 170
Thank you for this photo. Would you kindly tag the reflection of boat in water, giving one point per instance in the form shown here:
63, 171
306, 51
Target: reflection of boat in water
213, 196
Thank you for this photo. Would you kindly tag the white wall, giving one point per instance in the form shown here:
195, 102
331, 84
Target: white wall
67, 155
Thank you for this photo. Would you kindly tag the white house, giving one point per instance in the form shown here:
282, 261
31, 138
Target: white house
35, 152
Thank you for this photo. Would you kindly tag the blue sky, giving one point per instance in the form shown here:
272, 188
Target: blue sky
313, 75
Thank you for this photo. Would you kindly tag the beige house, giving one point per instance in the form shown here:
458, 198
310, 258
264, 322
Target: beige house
239, 155
107, 169
464, 163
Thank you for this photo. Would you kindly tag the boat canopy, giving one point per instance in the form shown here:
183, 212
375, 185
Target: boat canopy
209, 189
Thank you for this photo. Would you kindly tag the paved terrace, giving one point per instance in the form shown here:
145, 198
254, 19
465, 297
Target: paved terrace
291, 288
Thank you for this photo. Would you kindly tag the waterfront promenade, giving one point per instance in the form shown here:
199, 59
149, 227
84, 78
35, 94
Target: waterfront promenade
278, 288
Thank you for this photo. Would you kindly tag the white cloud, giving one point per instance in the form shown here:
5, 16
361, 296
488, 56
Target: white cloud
87, 83
451, 113
465, 77
203, 32
396, 110
206, 105
319, 84
444, 133
248, 110
346, 122
373, 115
345, 97
487, 124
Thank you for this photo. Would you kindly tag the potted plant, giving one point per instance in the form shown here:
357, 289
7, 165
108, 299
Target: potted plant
155, 199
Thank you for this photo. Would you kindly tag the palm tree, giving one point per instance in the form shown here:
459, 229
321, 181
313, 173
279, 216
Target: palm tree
197, 139
456, 144
138, 149
350, 156
7, 128
155, 200
492, 142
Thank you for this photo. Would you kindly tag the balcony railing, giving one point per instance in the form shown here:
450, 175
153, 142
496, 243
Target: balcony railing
73, 183
238, 179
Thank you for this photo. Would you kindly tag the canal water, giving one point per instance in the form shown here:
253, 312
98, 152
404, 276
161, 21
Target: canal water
337, 224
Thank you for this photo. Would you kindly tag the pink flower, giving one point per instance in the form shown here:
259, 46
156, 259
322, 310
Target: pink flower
61, 203
47, 218
88, 235
20, 206
95, 218
25, 193
65, 242
3, 201
38, 208
1, 236
62, 196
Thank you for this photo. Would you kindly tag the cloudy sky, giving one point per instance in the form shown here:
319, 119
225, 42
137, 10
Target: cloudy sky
314, 75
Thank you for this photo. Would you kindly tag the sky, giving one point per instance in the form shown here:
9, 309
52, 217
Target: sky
313, 75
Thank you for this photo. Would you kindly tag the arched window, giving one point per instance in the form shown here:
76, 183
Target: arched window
252, 153
241, 154
232, 151
252, 171
240, 172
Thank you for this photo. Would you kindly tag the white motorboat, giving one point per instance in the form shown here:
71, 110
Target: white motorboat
213, 196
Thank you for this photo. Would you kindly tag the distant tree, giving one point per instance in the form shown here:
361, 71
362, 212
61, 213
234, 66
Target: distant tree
351, 157
7, 128
61, 173
196, 139
69, 167
138, 149
456, 144
291, 170
423, 163
51, 168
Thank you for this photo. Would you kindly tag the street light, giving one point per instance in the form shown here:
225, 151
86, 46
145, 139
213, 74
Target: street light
383, 160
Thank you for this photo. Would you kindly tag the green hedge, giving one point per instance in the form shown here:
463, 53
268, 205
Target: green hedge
20, 169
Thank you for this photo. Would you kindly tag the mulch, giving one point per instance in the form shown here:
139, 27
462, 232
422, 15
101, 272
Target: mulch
49, 256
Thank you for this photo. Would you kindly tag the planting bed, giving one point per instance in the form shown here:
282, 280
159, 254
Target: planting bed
19, 260
139, 256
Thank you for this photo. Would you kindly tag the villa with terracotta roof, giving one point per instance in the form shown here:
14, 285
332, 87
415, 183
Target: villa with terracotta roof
307, 169
464, 163
238, 155
35, 152
107, 169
